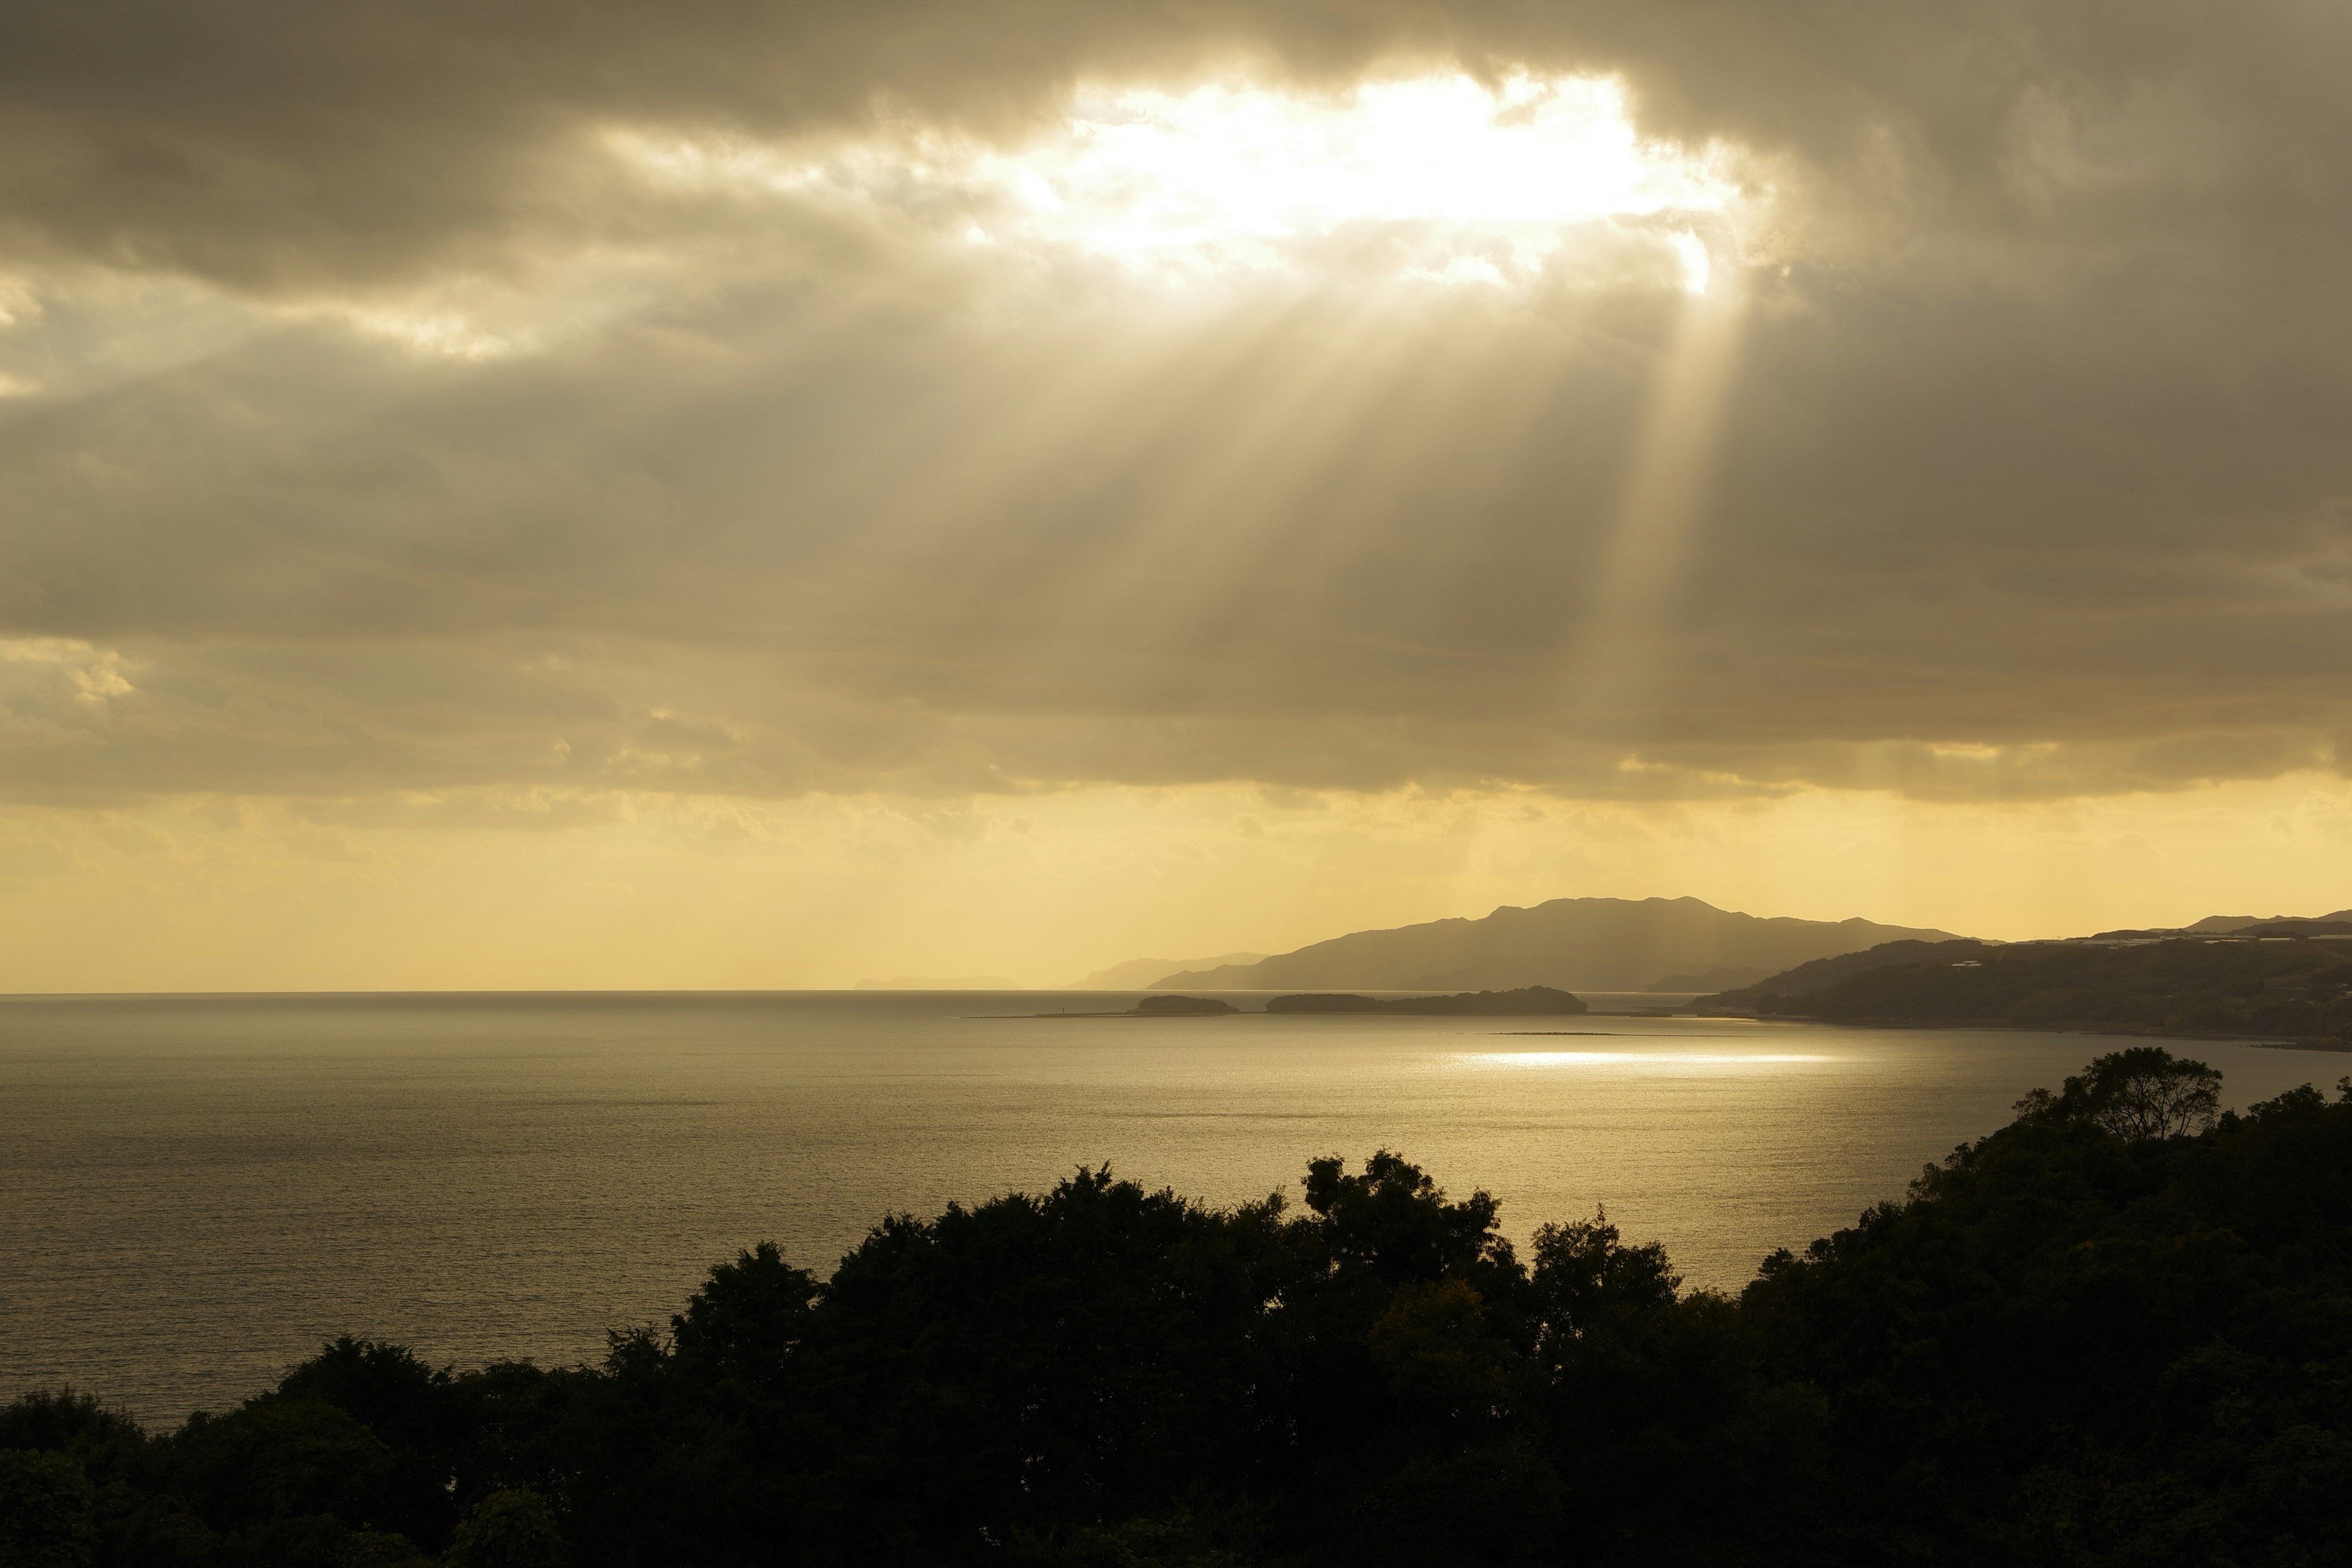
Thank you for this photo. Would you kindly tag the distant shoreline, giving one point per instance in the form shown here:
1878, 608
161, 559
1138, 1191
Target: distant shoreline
2141, 1031
1261, 1013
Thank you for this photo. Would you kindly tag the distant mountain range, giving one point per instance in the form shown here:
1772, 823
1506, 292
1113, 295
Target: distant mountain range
1605, 944
1142, 974
1593, 945
2240, 922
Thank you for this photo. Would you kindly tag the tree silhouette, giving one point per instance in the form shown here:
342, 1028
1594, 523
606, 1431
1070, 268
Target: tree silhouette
2112, 1332
45, 1511
2143, 1092
513, 1529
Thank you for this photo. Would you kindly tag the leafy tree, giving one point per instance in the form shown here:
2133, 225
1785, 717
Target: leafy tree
45, 1511
275, 1457
1394, 1220
2143, 1092
513, 1529
49, 1419
743, 1327
1585, 1276
408, 1407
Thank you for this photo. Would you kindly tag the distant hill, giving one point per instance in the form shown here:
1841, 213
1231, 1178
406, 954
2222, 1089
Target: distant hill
1573, 944
1823, 973
2287, 986
1143, 973
2211, 923
1786, 992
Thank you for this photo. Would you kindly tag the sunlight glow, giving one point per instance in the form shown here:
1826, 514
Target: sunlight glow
1625, 643
93, 674
1441, 180
1219, 167
443, 334
1614, 1058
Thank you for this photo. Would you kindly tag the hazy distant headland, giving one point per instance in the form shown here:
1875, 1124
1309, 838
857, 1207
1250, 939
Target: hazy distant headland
1588, 944
2110, 1332
1528, 1002
1143, 973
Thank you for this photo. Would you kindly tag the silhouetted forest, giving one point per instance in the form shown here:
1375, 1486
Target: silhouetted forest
2289, 986
2116, 1331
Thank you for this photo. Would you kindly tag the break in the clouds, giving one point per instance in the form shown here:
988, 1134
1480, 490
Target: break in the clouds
1678, 400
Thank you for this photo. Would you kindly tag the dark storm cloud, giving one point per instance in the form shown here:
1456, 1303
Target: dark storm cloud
2032, 478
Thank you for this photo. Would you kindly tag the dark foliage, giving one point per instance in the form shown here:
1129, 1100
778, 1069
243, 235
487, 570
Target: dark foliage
2118, 1332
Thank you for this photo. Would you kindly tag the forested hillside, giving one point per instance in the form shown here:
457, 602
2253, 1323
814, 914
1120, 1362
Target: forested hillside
1823, 973
2288, 987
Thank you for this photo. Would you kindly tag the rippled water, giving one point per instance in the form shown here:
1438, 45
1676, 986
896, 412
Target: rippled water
199, 1191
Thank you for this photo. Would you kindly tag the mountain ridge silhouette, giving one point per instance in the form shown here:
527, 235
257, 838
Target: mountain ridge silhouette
1594, 945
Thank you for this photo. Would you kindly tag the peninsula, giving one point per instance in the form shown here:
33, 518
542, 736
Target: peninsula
2287, 980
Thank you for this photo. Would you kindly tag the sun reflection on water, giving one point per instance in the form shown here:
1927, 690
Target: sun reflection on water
1615, 1059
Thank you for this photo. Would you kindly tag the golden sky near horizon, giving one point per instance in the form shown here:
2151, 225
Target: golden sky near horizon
586, 494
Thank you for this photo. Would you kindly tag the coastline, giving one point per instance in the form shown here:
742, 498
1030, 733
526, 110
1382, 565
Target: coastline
2141, 1031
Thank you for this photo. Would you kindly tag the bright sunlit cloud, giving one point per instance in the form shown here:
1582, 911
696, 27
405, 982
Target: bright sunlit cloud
1470, 183
1217, 168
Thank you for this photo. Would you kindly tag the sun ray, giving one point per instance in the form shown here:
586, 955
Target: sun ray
1621, 654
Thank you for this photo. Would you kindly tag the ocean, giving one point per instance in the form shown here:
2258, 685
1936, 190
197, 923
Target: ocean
201, 1190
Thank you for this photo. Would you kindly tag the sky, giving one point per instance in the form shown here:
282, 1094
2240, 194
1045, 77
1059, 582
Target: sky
591, 494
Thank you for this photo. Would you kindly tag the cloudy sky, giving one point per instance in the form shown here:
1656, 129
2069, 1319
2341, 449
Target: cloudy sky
584, 493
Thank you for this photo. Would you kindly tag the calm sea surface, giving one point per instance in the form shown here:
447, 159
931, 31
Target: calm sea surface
198, 1191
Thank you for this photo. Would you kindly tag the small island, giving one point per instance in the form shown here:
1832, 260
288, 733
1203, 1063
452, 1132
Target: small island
1528, 1001
1149, 1007
1179, 1007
